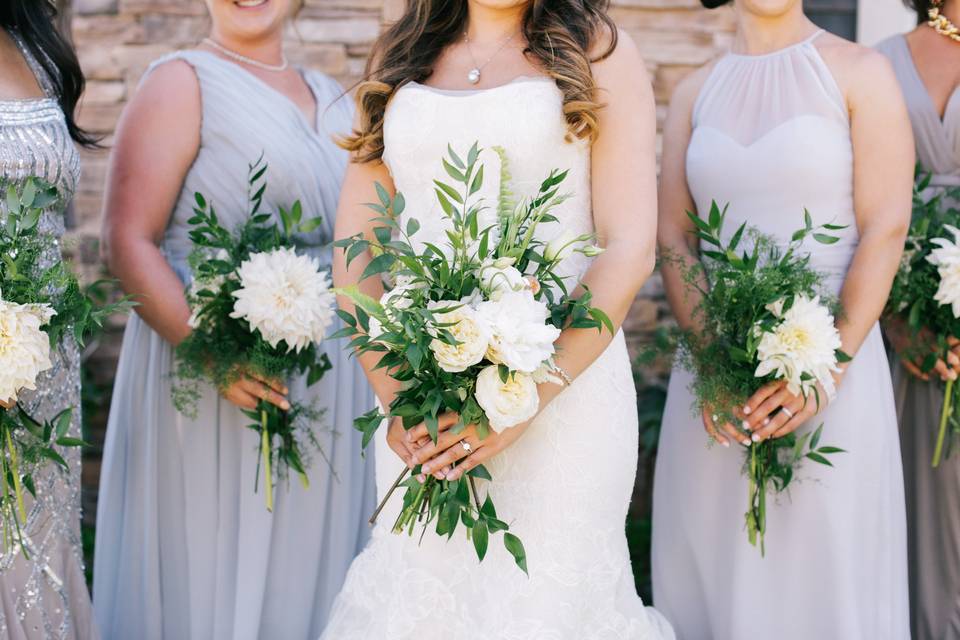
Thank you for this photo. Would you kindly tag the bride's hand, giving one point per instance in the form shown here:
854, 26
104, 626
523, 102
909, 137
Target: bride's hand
5, 405
438, 459
773, 411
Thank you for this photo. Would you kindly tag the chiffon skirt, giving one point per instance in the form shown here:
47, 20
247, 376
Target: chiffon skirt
835, 565
185, 549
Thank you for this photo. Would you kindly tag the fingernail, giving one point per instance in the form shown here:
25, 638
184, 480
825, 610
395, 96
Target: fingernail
766, 421
715, 417
746, 410
725, 443
285, 405
953, 375
746, 426
439, 475
746, 442
421, 478
426, 468
755, 437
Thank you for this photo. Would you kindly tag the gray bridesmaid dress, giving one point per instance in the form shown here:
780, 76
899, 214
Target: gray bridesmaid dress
185, 549
933, 495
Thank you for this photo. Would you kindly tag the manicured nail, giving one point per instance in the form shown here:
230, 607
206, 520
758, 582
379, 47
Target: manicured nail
755, 437
746, 410
439, 475
725, 443
421, 478
953, 375
766, 421
426, 468
715, 418
285, 405
746, 426
746, 442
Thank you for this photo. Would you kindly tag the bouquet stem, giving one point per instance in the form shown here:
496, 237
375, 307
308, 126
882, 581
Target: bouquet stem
15, 472
944, 418
396, 483
266, 454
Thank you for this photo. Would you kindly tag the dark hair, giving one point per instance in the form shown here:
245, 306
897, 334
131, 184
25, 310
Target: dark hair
713, 4
922, 7
560, 35
35, 21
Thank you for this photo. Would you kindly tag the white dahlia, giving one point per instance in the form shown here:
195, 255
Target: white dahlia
520, 337
286, 297
470, 333
947, 260
802, 348
509, 403
24, 347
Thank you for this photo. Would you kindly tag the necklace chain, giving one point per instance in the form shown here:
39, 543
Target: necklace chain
942, 24
244, 59
473, 76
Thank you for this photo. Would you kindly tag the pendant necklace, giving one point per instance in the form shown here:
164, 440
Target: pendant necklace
473, 77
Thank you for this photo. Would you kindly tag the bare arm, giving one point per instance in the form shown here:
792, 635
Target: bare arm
157, 139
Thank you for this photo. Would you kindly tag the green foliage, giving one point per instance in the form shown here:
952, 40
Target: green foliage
26, 443
221, 348
450, 272
742, 282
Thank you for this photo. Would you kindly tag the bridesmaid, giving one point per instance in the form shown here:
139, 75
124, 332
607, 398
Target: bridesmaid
792, 118
927, 64
45, 596
185, 548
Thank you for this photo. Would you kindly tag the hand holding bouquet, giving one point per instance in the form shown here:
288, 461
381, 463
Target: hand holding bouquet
468, 330
925, 296
259, 309
38, 306
763, 321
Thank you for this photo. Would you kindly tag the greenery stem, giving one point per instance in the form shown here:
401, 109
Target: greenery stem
944, 418
386, 498
267, 454
15, 472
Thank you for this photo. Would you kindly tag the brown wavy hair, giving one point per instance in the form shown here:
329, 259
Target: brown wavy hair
559, 34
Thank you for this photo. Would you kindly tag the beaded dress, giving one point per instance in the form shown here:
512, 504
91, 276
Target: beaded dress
46, 595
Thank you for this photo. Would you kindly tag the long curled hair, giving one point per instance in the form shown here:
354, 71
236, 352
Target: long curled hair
559, 34
35, 21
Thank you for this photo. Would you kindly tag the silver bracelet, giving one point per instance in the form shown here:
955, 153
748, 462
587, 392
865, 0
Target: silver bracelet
567, 380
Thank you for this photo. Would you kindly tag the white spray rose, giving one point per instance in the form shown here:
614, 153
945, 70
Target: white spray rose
520, 337
285, 296
24, 347
467, 328
804, 342
509, 403
560, 247
499, 276
947, 260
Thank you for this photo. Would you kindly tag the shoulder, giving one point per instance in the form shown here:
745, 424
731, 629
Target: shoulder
861, 72
617, 65
169, 92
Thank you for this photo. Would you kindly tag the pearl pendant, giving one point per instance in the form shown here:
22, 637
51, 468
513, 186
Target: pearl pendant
474, 76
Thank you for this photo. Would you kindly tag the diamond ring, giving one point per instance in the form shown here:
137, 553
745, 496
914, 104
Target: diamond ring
466, 446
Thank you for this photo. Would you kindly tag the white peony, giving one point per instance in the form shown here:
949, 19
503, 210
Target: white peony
801, 349
470, 332
947, 260
499, 276
286, 297
506, 403
24, 347
520, 337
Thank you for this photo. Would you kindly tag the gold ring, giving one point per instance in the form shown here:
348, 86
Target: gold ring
466, 446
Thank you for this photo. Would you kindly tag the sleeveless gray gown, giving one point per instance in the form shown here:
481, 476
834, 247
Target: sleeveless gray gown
185, 549
933, 495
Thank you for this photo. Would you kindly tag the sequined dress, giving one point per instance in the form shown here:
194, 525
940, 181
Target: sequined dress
46, 595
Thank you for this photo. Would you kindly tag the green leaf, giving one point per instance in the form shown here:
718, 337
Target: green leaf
829, 450
382, 194
823, 238
816, 457
62, 423
477, 181
456, 159
481, 538
412, 226
67, 441
380, 264
515, 547
453, 172
481, 472
815, 439
449, 191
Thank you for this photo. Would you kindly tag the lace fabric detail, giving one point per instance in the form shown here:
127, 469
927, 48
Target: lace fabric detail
565, 486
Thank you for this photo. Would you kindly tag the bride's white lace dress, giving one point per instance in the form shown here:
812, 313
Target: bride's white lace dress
564, 487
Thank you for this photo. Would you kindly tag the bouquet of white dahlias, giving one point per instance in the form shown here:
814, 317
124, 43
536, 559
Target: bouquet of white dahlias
468, 327
41, 301
925, 295
762, 320
258, 307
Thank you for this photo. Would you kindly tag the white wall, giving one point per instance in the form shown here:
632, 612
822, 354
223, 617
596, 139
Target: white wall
877, 19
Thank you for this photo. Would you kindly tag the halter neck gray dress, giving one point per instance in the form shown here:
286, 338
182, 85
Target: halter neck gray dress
933, 495
185, 549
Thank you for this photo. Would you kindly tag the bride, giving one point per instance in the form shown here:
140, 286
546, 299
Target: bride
555, 84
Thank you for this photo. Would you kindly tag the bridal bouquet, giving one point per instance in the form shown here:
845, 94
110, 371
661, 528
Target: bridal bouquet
258, 308
926, 291
762, 320
38, 307
469, 328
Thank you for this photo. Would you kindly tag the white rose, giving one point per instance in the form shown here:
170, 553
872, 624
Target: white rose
509, 403
520, 337
804, 342
286, 297
470, 333
500, 276
24, 347
947, 260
